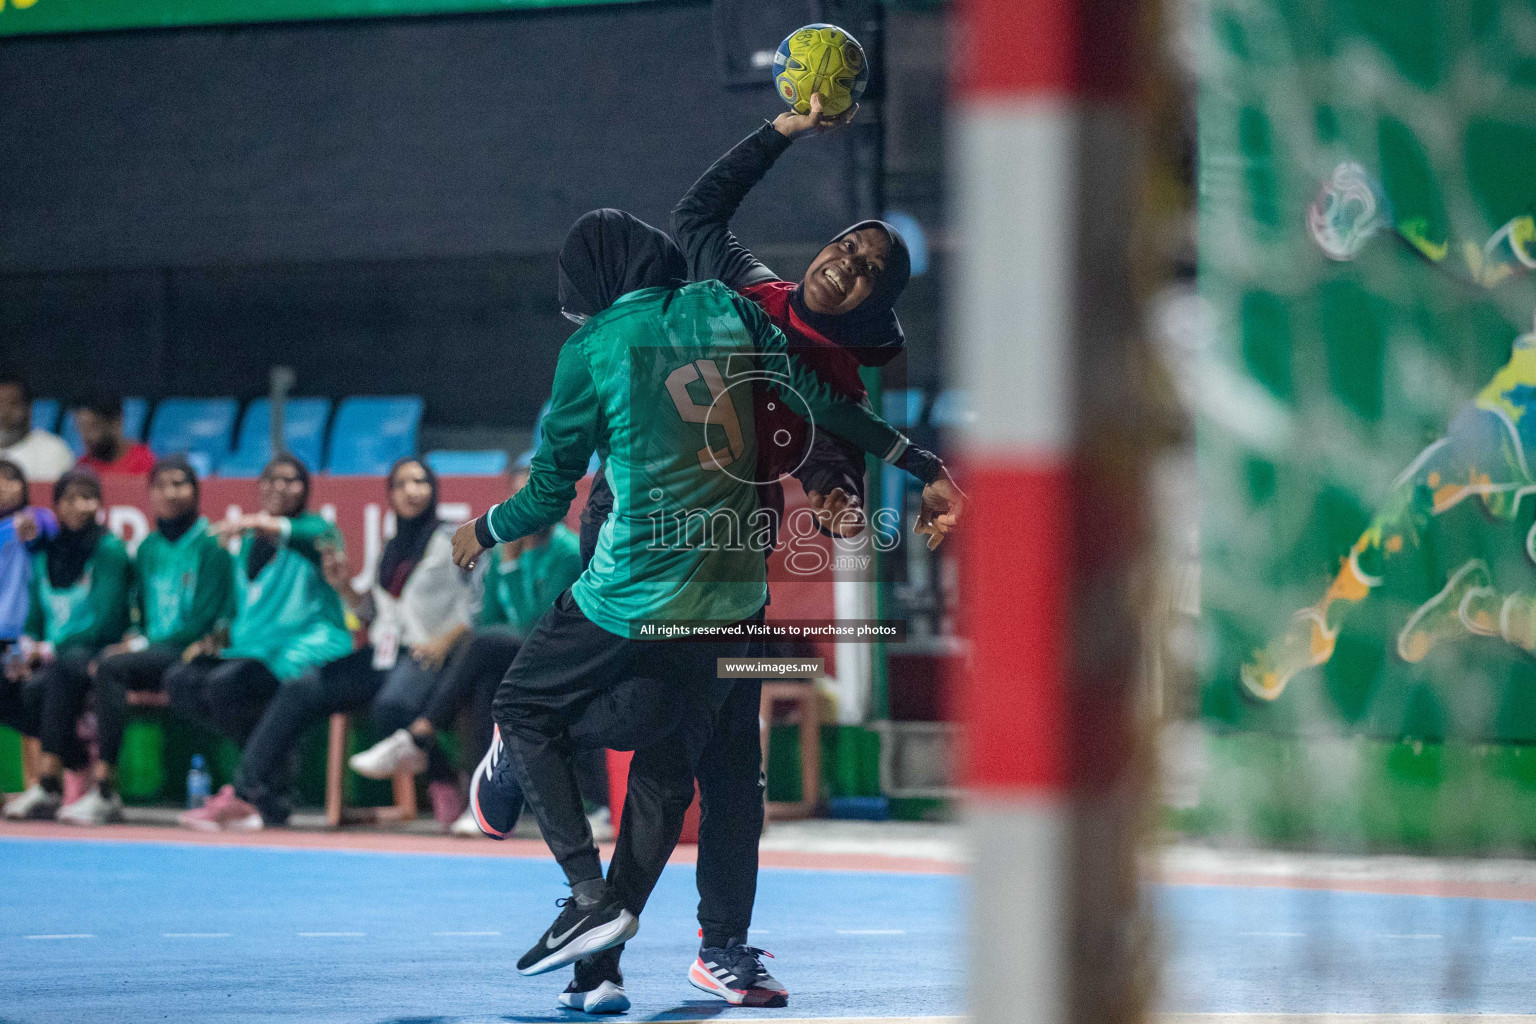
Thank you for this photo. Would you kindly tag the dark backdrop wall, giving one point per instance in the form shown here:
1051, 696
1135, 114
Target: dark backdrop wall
376, 203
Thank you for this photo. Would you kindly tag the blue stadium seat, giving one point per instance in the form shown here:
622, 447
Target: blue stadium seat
902, 408
135, 412
188, 425
201, 463
45, 413
304, 421
952, 409
371, 433
486, 463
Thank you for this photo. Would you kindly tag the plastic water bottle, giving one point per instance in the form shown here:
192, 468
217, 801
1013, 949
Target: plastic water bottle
199, 784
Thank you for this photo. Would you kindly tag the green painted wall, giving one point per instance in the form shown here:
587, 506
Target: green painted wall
1335, 375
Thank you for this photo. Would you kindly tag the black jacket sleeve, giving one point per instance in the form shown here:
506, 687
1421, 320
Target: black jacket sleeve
832, 463
701, 219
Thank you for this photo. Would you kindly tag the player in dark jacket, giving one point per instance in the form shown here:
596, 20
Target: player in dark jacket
839, 317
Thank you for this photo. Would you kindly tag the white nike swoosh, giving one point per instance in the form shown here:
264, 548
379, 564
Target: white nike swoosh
556, 940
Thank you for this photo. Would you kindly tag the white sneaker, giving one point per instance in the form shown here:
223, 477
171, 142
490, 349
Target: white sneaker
602, 825
465, 826
35, 803
607, 997
395, 753
93, 809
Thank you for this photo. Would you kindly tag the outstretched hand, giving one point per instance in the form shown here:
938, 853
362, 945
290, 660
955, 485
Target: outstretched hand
943, 504
790, 124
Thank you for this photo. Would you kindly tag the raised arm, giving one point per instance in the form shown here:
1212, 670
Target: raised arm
701, 220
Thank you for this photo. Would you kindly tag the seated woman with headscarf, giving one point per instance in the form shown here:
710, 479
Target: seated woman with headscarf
418, 609
183, 585
287, 620
78, 605
521, 580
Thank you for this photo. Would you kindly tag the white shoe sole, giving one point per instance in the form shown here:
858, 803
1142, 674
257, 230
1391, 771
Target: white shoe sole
606, 998
481, 771
93, 822
250, 823
702, 980
621, 929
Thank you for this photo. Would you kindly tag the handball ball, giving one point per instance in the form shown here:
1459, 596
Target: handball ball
820, 58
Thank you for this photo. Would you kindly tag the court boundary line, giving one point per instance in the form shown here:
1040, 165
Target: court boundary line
443, 846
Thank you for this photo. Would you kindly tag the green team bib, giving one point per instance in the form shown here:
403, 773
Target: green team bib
68, 608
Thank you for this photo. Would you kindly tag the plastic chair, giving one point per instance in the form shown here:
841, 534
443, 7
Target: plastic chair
304, 422
193, 426
336, 812
369, 434
135, 412
468, 463
45, 413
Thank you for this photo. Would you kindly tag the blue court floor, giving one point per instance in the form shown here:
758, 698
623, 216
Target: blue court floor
119, 933
130, 932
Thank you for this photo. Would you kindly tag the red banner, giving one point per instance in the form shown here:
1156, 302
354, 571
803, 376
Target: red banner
358, 507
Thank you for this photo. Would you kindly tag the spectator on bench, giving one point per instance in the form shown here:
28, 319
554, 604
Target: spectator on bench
183, 589
23, 531
521, 579
99, 421
418, 609
287, 620
79, 604
42, 456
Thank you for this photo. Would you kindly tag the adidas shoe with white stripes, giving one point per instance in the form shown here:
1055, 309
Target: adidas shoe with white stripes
495, 798
735, 974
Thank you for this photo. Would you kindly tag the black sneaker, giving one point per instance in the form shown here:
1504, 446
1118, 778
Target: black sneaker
494, 795
735, 974
580, 931
598, 986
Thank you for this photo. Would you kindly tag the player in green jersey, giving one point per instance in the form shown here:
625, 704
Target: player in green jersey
183, 588
287, 619
659, 381
79, 604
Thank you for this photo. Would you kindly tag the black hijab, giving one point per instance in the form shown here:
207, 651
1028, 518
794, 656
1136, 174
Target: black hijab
174, 529
69, 550
12, 471
608, 253
409, 543
263, 550
871, 328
